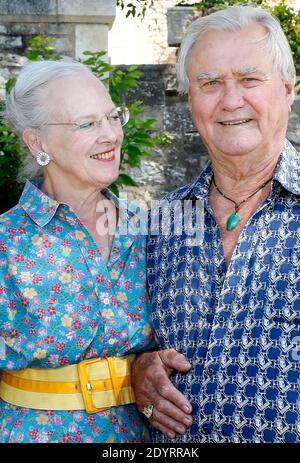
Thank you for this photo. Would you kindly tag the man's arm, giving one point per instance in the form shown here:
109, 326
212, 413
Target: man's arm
151, 371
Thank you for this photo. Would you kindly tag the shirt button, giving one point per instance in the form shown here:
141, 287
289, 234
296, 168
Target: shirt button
222, 319
205, 429
210, 371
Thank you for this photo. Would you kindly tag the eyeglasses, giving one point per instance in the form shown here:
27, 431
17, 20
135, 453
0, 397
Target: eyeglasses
117, 117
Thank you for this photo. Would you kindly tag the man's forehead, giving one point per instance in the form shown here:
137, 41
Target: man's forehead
251, 35
239, 52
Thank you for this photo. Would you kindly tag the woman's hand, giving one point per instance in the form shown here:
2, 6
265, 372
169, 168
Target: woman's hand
150, 376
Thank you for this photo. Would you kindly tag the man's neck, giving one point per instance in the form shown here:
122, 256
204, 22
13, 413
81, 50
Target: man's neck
239, 177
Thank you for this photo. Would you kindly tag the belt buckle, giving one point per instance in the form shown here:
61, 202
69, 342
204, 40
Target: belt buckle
86, 386
113, 383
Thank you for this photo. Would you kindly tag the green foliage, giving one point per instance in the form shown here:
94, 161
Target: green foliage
11, 155
121, 82
98, 65
9, 84
136, 8
290, 23
41, 47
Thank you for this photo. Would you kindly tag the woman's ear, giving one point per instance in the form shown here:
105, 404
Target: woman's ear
32, 140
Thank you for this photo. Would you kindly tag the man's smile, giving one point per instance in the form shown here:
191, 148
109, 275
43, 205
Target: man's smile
235, 122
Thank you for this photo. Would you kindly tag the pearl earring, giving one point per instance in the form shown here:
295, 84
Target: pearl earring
43, 159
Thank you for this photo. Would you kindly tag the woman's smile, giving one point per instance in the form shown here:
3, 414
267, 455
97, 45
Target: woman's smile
105, 156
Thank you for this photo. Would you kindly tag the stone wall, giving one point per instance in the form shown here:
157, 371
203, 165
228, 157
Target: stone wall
178, 163
78, 26
142, 41
174, 165
145, 41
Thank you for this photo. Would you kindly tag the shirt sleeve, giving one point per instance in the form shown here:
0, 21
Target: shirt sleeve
12, 316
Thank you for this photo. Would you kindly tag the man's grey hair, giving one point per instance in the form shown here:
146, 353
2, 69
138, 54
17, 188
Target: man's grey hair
24, 105
234, 19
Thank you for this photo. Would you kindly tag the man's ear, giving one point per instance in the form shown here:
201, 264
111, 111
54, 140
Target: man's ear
33, 141
290, 93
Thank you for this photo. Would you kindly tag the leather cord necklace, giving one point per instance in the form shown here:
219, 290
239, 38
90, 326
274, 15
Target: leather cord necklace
235, 218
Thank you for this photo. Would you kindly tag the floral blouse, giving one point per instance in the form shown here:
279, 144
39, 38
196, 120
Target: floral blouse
60, 303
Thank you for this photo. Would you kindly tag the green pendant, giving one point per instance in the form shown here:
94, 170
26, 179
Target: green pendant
233, 221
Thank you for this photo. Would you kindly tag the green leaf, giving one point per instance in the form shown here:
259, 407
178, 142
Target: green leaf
133, 150
10, 83
114, 188
125, 179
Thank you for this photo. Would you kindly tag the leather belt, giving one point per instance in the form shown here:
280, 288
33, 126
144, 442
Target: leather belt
94, 385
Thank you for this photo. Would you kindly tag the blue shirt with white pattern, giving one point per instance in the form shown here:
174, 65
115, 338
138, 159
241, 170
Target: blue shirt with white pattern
238, 326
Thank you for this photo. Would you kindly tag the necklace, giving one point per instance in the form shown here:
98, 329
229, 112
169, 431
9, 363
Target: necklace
235, 218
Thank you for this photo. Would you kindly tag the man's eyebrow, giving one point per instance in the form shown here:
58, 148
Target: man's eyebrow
208, 75
250, 70
205, 75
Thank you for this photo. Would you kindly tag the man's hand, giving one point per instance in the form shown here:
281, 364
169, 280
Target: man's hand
151, 371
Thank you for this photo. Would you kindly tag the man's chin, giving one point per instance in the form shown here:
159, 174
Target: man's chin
237, 149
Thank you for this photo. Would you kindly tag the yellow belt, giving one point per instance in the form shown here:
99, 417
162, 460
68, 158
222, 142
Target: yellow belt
94, 385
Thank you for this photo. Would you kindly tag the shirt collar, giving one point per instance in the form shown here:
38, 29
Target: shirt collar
287, 173
41, 208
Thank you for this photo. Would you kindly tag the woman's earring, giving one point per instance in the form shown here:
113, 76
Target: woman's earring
43, 159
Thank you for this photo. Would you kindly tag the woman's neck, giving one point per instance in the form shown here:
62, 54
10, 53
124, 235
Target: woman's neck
82, 199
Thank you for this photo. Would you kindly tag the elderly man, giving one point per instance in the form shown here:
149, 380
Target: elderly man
227, 311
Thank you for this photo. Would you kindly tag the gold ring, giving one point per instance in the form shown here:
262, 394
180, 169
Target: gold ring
148, 411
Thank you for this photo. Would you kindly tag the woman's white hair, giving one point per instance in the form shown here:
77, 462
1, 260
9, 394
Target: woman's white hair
234, 19
24, 108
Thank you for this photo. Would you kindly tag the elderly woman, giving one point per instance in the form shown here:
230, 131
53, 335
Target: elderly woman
72, 286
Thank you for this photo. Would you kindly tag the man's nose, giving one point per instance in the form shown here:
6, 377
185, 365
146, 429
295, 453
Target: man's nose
232, 96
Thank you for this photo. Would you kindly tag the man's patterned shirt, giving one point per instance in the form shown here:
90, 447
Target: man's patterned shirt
238, 326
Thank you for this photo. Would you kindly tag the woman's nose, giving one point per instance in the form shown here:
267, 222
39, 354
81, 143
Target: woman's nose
107, 131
